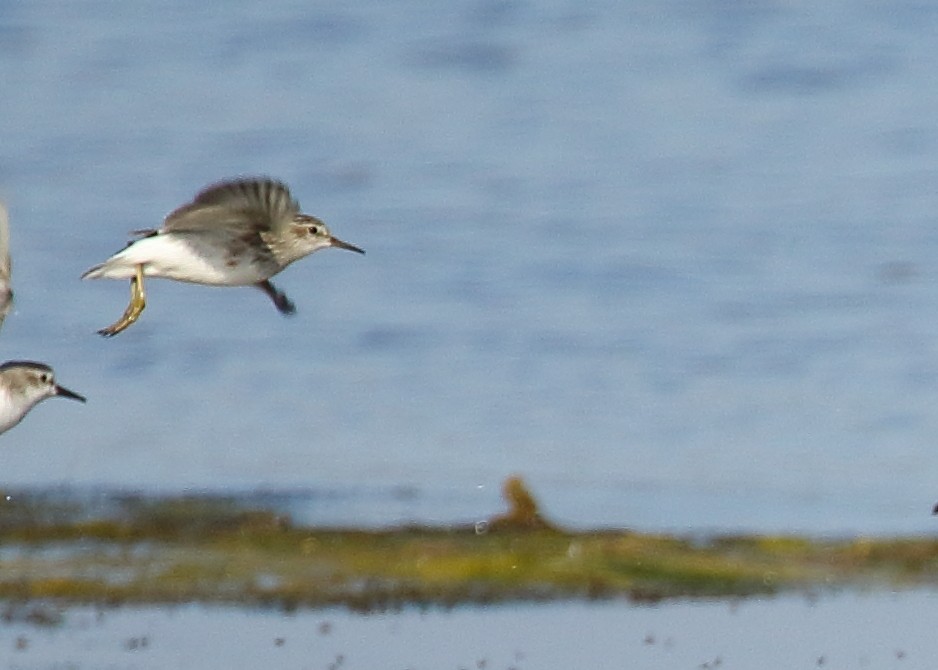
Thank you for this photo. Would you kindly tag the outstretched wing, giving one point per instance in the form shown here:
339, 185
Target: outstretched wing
252, 204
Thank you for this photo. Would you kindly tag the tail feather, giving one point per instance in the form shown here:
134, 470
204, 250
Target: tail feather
117, 266
94, 273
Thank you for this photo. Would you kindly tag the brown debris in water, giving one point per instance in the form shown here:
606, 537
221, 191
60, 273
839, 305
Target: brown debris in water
523, 511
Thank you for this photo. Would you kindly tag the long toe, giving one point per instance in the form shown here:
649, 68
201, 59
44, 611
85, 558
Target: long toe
111, 330
122, 324
284, 305
278, 297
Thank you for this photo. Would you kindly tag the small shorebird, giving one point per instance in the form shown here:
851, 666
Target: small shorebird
6, 265
234, 233
23, 385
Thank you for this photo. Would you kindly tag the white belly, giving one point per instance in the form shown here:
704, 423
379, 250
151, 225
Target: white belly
172, 257
10, 412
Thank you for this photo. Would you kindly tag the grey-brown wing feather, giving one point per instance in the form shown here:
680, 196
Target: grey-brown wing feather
6, 264
243, 204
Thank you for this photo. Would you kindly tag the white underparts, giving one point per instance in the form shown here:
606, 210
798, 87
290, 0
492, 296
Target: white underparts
170, 257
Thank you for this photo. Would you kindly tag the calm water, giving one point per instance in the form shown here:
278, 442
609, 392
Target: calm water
674, 262
848, 631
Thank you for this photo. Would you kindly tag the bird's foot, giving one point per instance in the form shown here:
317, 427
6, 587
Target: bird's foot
138, 302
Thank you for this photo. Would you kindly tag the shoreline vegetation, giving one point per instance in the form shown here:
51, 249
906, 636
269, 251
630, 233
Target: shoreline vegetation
219, 550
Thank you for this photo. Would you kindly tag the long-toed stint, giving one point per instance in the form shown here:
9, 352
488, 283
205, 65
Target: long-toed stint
23, 385
234, 233
6, 265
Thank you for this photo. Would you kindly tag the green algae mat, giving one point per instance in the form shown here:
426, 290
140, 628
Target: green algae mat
216, 549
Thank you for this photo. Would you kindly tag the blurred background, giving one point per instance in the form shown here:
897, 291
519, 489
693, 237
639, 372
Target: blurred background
675, 263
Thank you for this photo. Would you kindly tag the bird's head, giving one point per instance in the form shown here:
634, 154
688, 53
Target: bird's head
34, 382
309, 234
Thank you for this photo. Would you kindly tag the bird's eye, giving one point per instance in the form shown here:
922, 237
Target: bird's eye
314, 230
44, 378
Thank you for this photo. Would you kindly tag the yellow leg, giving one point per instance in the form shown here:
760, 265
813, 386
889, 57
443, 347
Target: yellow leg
138, 300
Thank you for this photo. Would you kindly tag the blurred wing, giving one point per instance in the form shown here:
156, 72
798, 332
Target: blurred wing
4, 242
6, 264
242, 204
193, 217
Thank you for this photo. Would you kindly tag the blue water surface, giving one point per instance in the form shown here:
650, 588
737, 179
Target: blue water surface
674, 262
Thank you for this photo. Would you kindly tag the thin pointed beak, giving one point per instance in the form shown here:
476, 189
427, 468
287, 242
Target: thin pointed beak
339, 244
65, 393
